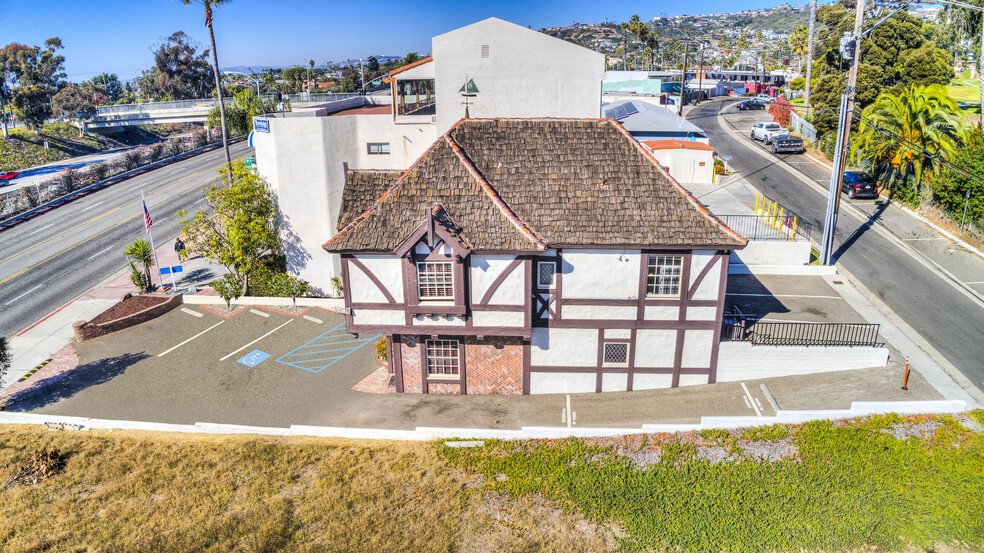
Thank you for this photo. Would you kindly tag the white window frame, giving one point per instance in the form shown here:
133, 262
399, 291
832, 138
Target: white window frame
606, 363
653, 265
379, 147
553, 279
421, 284
445, 360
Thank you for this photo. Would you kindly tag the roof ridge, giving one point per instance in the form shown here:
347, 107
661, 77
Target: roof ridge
358, 220
683, 191
493, 194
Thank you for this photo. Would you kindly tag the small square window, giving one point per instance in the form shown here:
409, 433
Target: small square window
663, 275
615, 354
442, 357
378, 148
546, 274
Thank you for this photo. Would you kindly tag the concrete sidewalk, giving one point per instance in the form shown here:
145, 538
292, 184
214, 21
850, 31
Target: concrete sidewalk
43, 339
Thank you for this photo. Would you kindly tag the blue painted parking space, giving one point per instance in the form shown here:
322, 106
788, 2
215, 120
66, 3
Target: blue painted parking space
254, 358
325, 350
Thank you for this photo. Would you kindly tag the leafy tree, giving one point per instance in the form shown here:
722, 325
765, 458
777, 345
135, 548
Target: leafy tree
140, 253
372, 64
78, 102
180, 72
229, 288
239, 228
109, 84
897, 129
239, 117
411, 58
36, 74
5, 357
208, 4
798, 83
294, 73
950, 187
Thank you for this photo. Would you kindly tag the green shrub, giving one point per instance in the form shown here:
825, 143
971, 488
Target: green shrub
381, 349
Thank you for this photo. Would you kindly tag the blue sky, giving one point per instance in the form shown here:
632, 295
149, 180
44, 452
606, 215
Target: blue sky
117, 36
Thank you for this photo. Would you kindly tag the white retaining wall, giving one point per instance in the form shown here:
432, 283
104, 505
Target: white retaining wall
743, 361
333, 304
773, 252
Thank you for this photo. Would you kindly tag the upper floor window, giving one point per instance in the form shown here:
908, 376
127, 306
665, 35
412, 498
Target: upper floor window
415, 97
546, 274
376, 148
435, 280
443, 358
663, 275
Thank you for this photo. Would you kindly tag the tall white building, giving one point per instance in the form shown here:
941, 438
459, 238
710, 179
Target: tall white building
493, 68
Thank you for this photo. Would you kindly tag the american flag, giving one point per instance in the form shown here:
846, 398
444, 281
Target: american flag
148, 222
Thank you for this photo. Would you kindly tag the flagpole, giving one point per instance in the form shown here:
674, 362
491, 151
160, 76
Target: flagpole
160, 278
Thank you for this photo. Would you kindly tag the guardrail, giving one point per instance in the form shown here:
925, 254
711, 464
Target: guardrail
754, 227
203, 105
737, 327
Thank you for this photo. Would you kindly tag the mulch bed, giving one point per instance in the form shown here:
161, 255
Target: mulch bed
129, 306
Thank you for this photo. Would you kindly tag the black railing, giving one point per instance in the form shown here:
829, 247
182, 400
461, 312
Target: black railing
754, 227
747, 328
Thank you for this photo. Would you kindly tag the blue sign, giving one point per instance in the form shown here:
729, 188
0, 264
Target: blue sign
261, 125
254, 358
172, 270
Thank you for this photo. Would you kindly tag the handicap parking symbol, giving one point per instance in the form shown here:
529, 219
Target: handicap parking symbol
254, 358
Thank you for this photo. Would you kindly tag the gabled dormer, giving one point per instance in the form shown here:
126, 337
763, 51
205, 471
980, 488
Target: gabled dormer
435, 257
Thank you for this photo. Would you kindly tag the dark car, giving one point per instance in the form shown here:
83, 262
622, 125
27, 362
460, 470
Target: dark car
859, 184
750, 104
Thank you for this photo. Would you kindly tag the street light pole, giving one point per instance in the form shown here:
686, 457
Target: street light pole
843, 135
683, 79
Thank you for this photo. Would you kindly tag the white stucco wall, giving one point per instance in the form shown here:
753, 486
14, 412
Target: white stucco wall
773, 252
600, 312
709, 287
562, 383
526, 74
378, 317
655, 347
742, 361
437, 320
651, 381
684, 165
498, 318
605, 274
387, 269
662, 312
486, 268
564, 347
697, 348
693, 379
614, 382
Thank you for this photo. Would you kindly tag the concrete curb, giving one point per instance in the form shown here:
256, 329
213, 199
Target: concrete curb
858, 409
333, 304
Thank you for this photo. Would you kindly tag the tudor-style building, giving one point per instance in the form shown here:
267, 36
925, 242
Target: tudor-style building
534, 256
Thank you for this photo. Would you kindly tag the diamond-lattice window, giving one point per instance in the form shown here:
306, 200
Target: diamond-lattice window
546, 272
616, 354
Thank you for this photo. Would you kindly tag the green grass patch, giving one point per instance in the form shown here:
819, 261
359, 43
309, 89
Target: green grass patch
963, 92
25, 149
885, 482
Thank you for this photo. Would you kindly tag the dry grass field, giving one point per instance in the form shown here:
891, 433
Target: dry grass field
140, 491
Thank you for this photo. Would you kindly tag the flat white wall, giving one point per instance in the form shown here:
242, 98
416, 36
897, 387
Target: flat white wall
526, 74
697, 346
601, 274
387, 269
564, 347
709, 287
600, 312
562, 383
614, 382
684, 165
651, 381
742, 361
486, 268
437, 320
655, 347
764, 252
378, 317
498, 318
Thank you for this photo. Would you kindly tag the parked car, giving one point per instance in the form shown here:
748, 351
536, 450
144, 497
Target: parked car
5, 178
750, 104
764, 98
859, 184
765, 131
784, 143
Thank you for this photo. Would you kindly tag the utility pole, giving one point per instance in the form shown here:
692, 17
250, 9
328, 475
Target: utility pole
683, 79
362, 76
809, 54
843, 135
700, 73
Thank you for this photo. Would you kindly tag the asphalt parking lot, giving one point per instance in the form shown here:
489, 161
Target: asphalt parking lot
266, 368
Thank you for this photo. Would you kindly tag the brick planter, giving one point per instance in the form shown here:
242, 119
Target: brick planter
88, 330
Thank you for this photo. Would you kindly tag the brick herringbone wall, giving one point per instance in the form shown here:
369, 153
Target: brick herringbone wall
443, 388
410, 351
494, 365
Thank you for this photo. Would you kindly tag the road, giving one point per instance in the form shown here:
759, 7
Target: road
927, 281
34, 175
49, 260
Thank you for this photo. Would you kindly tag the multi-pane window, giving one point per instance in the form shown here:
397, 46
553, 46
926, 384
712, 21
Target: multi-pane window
377, 148
663, 275
615, 354
435, 280
442, 357
546, 272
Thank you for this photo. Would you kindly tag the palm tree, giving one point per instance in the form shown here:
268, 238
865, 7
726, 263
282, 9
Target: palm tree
140, 253
652, 42
897, 132
811, 39
208, 4
638, 28
798, 42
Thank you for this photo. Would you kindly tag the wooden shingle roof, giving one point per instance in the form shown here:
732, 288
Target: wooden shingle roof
526, 185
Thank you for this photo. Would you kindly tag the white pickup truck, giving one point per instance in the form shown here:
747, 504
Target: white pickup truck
765, 131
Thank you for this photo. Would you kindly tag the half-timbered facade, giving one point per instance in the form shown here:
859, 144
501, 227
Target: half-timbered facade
534, 256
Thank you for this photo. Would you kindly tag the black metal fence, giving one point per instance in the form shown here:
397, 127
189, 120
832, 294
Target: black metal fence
737, 327
754, 227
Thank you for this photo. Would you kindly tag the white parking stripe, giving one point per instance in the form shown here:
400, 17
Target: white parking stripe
190, 312
260, 313
162, 354
751, 400
313, 320
256, 340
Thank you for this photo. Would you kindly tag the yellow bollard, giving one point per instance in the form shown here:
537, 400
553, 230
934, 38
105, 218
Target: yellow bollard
794, 229
757, 205
779, 220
